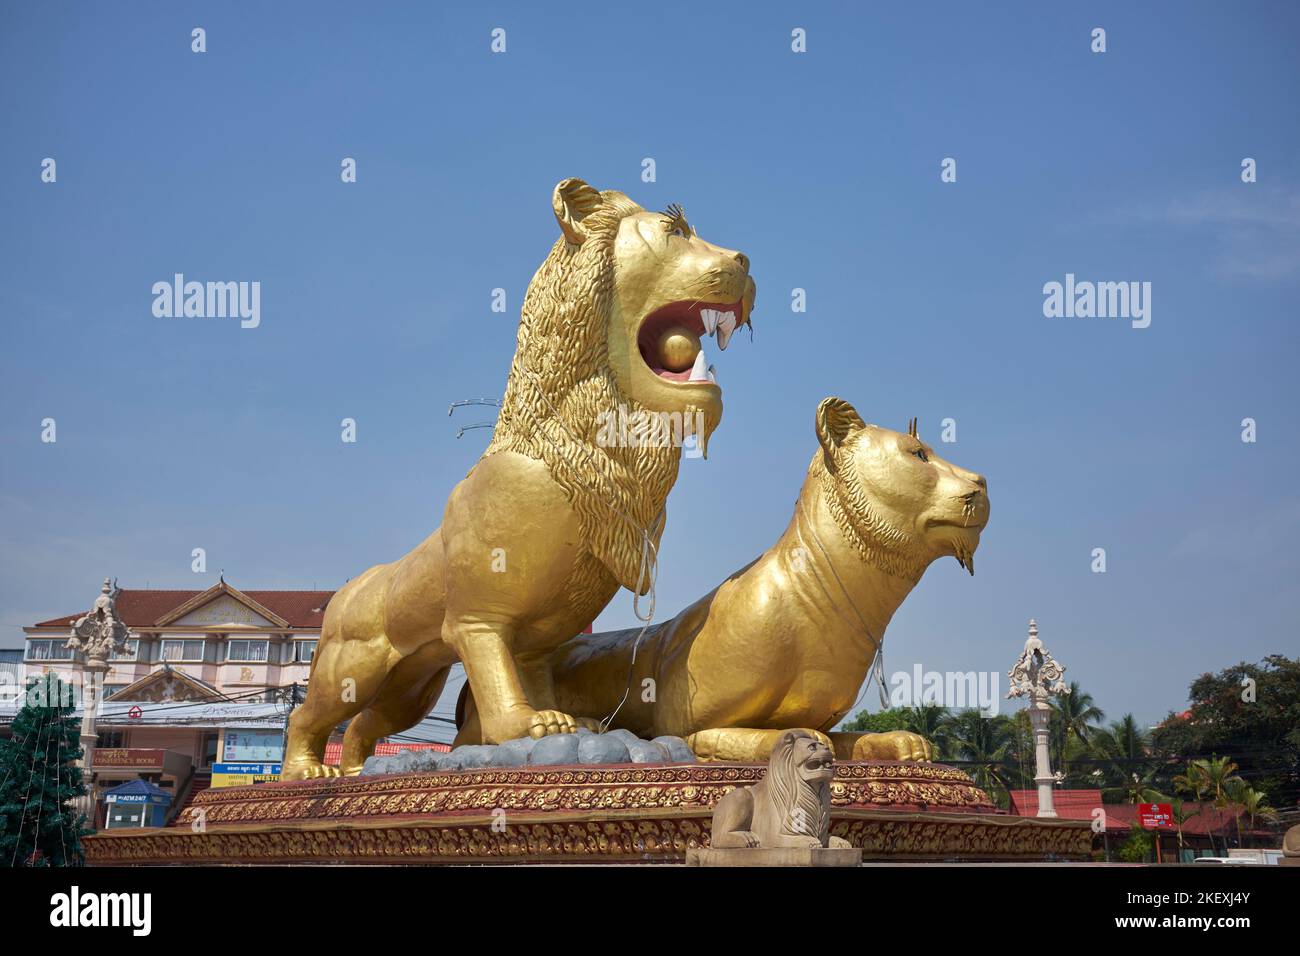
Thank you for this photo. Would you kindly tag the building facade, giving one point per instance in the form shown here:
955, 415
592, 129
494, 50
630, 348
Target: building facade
201, 693
244, 645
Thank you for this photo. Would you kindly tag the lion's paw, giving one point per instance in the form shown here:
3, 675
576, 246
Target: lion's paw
547, 722
839, 843
893, 745
312, 771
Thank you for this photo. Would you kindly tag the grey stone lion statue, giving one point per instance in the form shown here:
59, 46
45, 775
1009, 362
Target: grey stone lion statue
790, 807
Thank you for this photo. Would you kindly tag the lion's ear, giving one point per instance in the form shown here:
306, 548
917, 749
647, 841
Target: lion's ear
573, 200
836, 421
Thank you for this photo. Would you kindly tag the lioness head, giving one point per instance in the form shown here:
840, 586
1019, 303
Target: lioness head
900, 504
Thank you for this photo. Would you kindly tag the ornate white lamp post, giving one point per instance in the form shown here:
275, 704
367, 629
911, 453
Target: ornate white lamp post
1038, 676
95, 636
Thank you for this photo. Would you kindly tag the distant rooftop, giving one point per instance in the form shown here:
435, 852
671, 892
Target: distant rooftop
144, 607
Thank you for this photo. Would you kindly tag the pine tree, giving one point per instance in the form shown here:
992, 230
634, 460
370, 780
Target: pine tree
40, 781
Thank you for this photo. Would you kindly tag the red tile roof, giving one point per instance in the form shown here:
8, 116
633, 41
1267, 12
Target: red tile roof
141, 608
1079, 804
1069, 804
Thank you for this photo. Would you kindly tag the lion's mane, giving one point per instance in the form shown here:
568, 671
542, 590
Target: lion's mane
790, 792
561, 383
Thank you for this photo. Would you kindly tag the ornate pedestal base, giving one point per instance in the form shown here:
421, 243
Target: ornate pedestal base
627, 813
776, 856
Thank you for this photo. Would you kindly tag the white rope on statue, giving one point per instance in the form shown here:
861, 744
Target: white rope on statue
877, 666
648, 570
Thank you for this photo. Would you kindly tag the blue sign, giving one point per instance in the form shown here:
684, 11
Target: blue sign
255, 768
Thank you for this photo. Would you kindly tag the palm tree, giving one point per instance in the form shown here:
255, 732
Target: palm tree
1074, 715
1021, 758
1190, 782
1215, 778
1140, 788
930, 721
1120, 753
985, 742
1253, 804
1178, 810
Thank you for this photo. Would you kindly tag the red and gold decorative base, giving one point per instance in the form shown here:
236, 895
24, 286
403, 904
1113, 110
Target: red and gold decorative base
628, 813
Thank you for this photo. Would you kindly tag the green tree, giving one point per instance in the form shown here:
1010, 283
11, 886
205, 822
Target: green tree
1251, 711
864, 721
1074, 716
1219, 777
40, 781
1123, 767
1213, 779
1137, 847
930, 721
985, 744
1253, 804
1180, 811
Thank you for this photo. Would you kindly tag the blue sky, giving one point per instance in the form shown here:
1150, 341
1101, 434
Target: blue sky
924, 298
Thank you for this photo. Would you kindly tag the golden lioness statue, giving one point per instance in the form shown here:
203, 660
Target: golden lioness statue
788, 640
561, 510
790, 807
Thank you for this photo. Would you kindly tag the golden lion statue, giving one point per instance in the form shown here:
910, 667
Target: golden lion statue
788, 640
561, 510
791, 806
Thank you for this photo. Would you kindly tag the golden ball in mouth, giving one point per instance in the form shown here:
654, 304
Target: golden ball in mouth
677, 349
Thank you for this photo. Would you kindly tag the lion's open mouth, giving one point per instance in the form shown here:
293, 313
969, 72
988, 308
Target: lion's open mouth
820, 762
670, 336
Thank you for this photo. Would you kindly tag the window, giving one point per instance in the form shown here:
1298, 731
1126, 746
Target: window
253, 746
128, 652
111, 740
52, 650
247, 651
109, 691
303, 651
208, 749
179, 650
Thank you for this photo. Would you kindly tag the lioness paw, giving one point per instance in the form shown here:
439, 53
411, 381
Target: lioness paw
893, 745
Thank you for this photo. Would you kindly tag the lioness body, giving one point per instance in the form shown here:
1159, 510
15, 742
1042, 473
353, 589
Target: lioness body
552, 520
788, 640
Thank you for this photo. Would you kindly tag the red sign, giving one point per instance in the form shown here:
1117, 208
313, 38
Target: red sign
1155, 816
134, 712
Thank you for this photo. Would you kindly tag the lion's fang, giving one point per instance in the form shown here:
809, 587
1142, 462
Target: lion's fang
699, 371
726, 325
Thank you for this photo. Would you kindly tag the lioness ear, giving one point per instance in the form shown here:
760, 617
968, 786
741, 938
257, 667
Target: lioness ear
573, 200
836, 420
